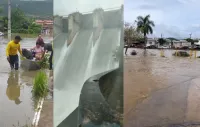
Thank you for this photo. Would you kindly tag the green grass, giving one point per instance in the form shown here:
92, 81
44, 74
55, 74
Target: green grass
40, 86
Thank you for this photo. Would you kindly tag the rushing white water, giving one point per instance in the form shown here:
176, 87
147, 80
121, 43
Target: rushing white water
70, 74
77, 63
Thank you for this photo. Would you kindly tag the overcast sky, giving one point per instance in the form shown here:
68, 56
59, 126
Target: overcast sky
65, 7
173, 18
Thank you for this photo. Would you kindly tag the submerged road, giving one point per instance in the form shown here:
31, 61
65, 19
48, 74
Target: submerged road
161, 92
17, 104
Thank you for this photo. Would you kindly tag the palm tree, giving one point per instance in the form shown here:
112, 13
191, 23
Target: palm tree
145, 26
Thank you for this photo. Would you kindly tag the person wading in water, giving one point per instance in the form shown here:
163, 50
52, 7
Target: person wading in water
40, 40
11, 52
49, 48
126, 49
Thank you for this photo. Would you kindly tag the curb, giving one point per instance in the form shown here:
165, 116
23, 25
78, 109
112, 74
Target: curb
37, 112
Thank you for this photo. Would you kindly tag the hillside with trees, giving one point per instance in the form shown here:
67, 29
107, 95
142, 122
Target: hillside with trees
37, 9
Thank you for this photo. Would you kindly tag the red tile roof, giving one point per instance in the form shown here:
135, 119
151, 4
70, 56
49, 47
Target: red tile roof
44, 22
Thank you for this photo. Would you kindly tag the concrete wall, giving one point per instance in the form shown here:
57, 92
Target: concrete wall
74, 21
57, 25
97, 20
151, 42
97, 23
83, 61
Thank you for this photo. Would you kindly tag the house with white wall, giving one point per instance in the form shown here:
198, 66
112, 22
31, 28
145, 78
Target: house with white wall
151, 42
181, 43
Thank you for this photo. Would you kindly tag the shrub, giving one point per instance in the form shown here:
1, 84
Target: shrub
40, 86
44, 62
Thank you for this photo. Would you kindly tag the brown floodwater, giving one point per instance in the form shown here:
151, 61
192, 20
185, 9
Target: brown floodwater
161, 91
17, 105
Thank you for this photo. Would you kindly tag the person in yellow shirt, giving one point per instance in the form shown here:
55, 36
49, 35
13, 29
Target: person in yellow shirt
11, 52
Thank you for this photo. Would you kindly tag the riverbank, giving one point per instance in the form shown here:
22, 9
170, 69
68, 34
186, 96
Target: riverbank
46, 117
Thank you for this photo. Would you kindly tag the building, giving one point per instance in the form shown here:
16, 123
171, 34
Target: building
151, 42
47, 26
181, 43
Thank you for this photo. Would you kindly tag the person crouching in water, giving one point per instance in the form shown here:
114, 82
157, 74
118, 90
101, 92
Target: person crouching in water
38, 51
11, 52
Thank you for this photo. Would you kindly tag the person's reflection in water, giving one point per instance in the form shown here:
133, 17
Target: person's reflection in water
13, 88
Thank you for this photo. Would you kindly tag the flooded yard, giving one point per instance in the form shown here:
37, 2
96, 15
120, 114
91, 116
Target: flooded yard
17, 105
161, 91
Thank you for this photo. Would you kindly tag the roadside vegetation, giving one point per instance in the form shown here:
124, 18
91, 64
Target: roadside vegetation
44, 64
40, 85
20, 23
130, 34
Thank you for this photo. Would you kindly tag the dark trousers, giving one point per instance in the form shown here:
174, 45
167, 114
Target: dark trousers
14, 61
51, 60
126, 50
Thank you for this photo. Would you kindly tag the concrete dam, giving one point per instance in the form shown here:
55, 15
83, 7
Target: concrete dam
88, 68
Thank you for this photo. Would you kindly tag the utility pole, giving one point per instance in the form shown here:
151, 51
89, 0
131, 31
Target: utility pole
190, 35
9, 20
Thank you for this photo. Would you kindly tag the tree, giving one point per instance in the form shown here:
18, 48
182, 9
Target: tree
22, 24
34, 28
161, 41
190, 40
130, 33
145, 26
18, 19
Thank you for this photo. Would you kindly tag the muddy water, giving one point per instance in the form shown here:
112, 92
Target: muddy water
16, 101
161, 92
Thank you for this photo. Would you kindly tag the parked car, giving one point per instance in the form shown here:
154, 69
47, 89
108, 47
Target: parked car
197, 47
151, 47
1, 34
184, 47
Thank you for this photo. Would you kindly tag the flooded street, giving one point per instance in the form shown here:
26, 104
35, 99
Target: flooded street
17, 105
161, 92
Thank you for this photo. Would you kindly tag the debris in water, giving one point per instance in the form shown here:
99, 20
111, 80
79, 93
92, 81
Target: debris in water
181, 54
133, 52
